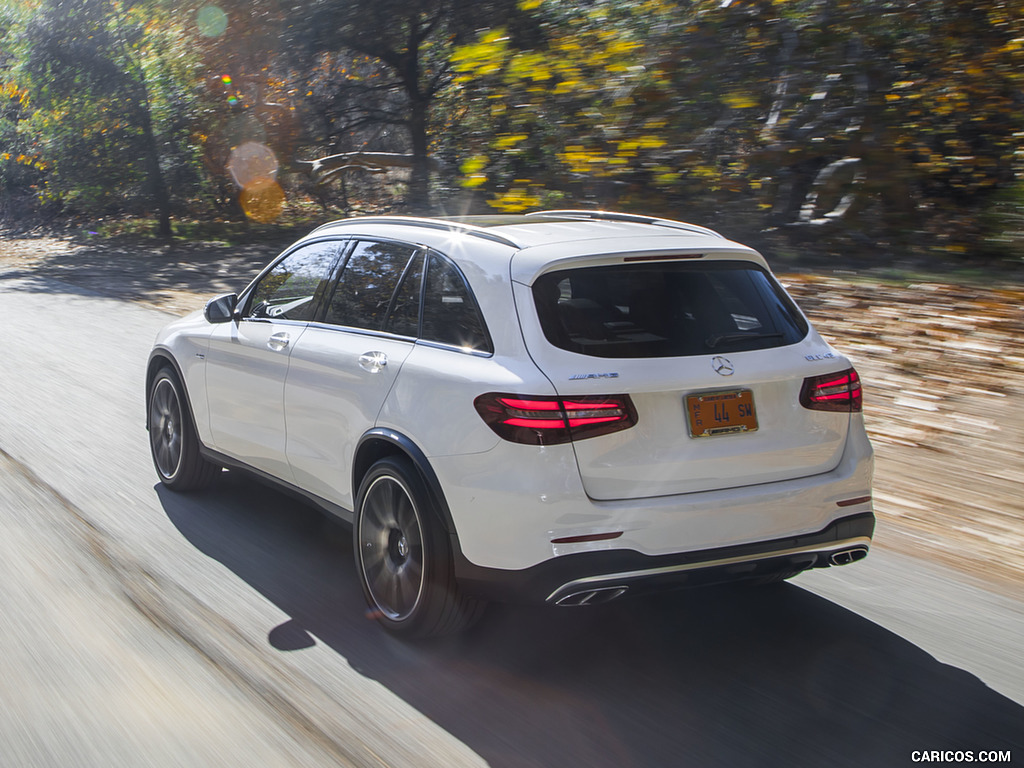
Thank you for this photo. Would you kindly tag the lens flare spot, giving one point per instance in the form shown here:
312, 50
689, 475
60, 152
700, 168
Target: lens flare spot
226, 79
262, 201
211, 21
251, 162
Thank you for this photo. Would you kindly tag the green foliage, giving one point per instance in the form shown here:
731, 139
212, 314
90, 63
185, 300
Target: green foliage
1003, 224
107, 104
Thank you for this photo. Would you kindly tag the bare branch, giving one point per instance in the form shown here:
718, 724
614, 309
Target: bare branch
826, 179
326, 168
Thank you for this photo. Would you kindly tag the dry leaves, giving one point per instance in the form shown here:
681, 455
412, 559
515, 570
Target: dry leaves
943, 370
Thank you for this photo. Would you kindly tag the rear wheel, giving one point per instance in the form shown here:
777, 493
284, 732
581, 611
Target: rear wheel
172, 437
403, 556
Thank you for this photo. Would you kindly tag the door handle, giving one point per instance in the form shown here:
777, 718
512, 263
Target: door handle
374, 362
278, 341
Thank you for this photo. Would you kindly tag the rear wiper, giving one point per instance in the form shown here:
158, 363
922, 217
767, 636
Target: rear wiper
718, 338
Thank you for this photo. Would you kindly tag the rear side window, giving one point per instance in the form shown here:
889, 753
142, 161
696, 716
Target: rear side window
404, 317
363, 294
665, 310
450, 314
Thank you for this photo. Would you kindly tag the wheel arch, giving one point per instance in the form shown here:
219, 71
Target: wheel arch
379, 443
161, 358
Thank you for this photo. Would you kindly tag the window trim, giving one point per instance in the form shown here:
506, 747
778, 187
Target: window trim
361, 331
454, 348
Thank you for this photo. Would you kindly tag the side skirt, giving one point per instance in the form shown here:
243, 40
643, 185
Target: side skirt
295, 492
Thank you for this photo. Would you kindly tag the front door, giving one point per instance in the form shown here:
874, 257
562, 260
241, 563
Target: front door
248, 359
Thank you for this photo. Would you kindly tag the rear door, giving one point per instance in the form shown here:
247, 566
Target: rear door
343, 367
713, 355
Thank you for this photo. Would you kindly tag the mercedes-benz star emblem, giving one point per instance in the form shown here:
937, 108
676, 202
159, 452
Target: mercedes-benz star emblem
722, 366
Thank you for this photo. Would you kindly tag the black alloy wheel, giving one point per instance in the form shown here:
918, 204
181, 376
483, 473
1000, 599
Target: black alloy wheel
403, 557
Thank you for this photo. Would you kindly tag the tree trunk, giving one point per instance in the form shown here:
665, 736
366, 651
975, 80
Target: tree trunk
151, 160
419, 181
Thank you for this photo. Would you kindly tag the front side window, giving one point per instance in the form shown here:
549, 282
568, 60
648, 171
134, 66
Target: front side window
367, 283
295, 286
665, 310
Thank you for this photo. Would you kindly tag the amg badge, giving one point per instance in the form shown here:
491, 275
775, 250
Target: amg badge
578, 376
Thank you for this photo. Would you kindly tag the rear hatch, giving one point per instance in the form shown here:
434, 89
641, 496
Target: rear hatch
713, 356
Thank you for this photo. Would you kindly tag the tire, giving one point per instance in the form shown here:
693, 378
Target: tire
403, 556
172, 437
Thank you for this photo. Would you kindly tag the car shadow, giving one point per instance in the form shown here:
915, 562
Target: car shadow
722, 676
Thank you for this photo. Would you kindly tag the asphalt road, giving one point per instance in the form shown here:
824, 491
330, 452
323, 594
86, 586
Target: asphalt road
227, 628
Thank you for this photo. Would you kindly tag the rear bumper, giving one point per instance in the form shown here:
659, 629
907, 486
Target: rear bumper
588, 577
518, 507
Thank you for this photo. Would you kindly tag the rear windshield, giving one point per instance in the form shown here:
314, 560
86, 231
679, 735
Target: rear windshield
671, 309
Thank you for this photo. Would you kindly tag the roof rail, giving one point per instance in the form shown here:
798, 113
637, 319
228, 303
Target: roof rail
415, 221
630, 217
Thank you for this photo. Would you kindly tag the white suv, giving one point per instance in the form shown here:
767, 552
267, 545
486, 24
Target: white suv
559, 407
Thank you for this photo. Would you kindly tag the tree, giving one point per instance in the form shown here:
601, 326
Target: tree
20, 168
104, 82
758, 114
410, 42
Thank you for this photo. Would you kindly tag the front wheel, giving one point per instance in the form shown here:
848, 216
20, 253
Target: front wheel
172, 438
403, 556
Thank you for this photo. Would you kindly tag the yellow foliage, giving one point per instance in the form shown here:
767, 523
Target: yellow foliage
622, 47
516, 200
13, 91
485, 57
641, 142
474, 164
530, 66
509, 140
739, 100
472, 171
580, 160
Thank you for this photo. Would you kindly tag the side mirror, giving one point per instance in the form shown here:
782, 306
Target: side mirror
221, 309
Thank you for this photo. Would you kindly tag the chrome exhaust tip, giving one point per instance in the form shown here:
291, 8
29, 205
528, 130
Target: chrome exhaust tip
592, 596
847, 556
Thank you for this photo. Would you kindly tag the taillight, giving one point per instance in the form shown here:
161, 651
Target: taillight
544, 420
833, 392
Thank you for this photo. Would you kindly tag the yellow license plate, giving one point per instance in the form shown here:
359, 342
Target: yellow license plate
721, 413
